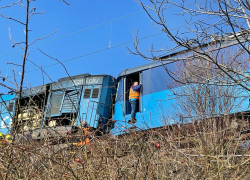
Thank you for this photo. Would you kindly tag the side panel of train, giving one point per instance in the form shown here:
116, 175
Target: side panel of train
7, 105
158, 106
87, 100
64, 106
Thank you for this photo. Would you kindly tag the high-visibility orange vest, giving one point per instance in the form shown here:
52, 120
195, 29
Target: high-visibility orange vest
133, 94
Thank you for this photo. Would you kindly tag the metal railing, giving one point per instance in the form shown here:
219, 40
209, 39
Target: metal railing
94, 115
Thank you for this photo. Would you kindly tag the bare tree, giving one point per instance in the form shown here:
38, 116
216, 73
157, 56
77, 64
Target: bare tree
210, 27
25, 45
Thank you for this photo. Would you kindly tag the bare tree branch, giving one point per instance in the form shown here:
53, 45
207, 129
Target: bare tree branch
11, 4
12, 19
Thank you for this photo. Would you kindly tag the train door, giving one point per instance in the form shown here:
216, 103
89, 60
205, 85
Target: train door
128, 82
89, 105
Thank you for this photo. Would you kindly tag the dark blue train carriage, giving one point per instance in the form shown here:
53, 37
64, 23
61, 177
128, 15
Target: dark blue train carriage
81, 100
56, 108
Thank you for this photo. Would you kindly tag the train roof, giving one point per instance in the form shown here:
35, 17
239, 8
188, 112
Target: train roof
143, 67
80, 76
78, 80
220, 42
6, 97
74, 77
169, 58
57, 84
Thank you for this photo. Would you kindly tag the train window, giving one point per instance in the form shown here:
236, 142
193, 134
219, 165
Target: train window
95, 93
87, 93
10, 107
1, 107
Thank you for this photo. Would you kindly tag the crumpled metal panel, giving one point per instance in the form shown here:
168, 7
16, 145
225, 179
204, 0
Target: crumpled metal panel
56, 102
34, 90
71, 100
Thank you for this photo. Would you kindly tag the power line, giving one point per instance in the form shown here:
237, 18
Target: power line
94, 52
101, 50
76, 32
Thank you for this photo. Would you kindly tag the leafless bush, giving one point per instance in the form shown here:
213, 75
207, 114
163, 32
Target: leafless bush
208, 146
153, 154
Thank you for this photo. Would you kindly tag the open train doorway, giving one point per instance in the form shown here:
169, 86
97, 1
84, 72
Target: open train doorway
129, 80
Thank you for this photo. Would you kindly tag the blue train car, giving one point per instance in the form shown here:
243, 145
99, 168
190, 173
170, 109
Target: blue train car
158, 104
67, 105
7, 106
80, 100
153, 94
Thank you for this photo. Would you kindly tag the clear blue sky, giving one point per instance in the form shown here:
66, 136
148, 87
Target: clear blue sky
78, 16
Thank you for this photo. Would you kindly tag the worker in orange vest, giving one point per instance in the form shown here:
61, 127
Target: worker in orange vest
134, 94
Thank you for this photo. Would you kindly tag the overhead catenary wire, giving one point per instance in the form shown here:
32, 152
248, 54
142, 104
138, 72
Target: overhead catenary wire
76, 32
112, 47
110, 36
101, 24
97, 51
104, 49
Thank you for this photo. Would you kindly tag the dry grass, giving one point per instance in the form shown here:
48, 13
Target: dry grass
132, 156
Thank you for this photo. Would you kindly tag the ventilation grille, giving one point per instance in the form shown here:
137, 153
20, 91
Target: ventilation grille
95, 93
71, 100
10, 107
87, 93
56, 101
